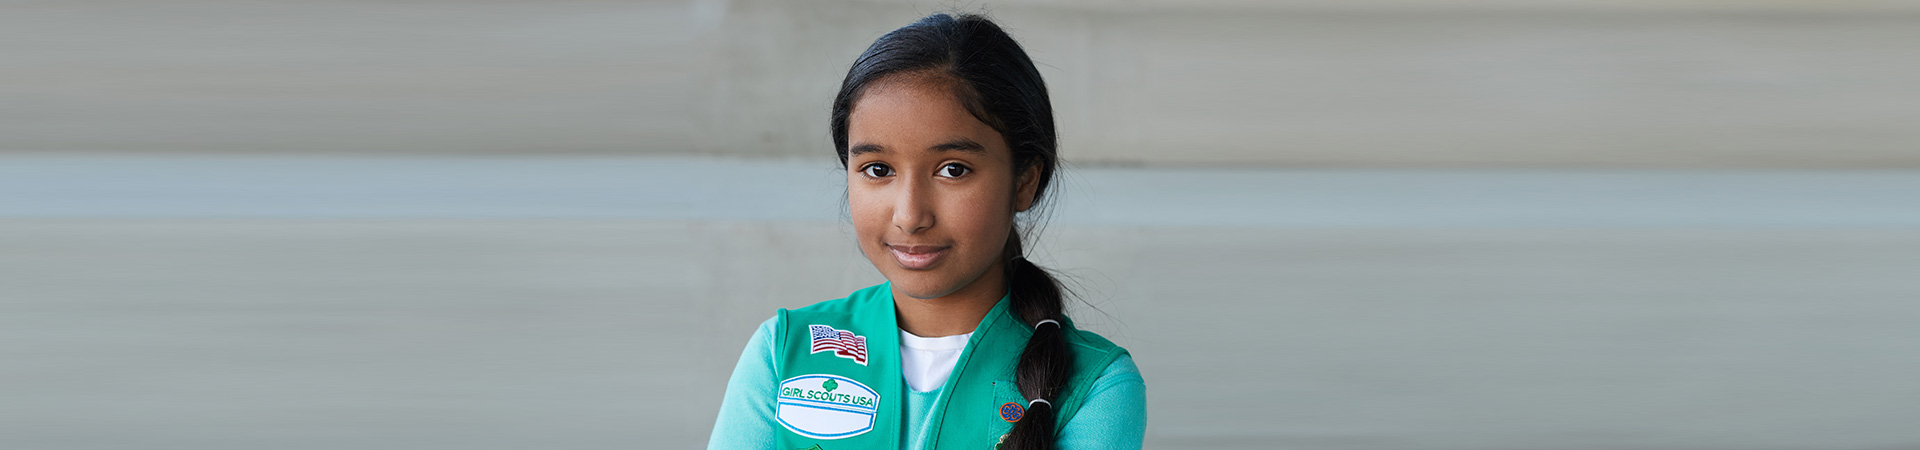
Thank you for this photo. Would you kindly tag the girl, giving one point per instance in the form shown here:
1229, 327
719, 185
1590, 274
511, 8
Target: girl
946, 133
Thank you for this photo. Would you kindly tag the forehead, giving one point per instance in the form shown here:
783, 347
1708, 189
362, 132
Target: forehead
914, 113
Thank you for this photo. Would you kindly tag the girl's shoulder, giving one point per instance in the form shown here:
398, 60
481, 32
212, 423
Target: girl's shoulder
1094, 355
1089, 343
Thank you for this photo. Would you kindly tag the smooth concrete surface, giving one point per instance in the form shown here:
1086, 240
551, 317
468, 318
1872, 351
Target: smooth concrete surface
503, 322
1393, 83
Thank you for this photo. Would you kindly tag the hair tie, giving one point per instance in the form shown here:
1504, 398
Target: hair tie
1017, 259
1036, 326
1039, 400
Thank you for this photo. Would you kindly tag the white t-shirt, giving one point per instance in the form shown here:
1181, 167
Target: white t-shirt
927, 362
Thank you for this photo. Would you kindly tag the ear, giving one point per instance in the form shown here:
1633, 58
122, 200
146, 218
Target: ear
1023, 192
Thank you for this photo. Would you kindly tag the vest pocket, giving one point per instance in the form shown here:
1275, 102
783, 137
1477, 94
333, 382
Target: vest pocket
1008, 406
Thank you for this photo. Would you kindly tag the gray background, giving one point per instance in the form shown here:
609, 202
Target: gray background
1324, 225
1464, 83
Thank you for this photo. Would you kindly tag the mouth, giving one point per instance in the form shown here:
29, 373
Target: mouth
917, 257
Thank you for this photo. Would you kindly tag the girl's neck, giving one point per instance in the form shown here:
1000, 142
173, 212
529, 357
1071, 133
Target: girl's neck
955, 313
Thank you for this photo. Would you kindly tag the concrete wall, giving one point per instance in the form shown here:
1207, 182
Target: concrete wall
1302, 83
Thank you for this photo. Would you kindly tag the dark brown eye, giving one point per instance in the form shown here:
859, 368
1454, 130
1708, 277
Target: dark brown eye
877, 170
953, 170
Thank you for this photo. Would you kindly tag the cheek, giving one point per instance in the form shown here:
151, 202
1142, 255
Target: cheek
871, 215
982, 216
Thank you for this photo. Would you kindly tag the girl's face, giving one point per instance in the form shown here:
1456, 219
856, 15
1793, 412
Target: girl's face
932, 189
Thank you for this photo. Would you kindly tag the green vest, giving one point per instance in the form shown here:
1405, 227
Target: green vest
841, 385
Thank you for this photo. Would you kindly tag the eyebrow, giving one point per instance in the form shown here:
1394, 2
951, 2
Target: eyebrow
956, 145
960, 145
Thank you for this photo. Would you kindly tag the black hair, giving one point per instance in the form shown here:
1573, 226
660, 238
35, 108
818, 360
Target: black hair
999, 85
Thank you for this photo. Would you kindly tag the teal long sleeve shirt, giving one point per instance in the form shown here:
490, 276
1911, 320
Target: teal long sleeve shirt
1113, 417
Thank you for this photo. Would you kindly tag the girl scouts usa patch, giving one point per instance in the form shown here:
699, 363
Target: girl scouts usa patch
822, 406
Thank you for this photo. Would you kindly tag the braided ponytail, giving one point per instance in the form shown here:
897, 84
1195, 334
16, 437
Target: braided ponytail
1046, 363
999, 85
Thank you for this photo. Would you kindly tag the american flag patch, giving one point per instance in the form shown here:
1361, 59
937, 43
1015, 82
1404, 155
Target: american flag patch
842, 343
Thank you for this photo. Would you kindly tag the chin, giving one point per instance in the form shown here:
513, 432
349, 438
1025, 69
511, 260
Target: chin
921, 285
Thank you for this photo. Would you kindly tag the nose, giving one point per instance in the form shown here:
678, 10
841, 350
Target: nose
912, 208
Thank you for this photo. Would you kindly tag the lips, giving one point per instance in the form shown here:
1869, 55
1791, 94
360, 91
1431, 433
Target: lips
917, 257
